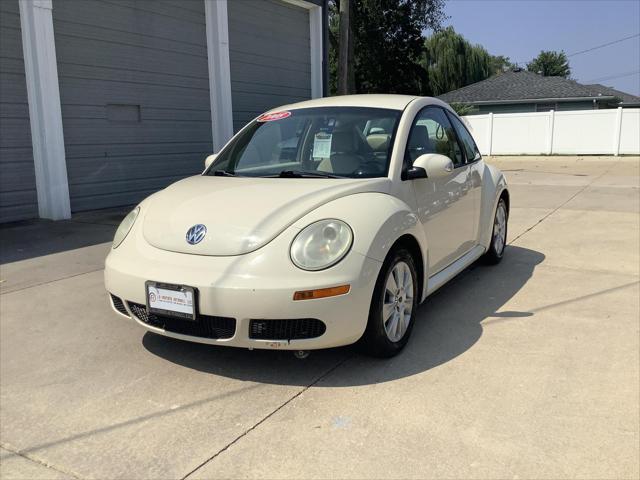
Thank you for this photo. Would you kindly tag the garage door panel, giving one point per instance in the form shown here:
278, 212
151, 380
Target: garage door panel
185, 11
18, 198
279, 15
11, 46
12, 65
147, 113
75, 50
268, 89
102, 151
259, 79
119, 198
89, 196
18, 205
19, 154
86, 72
100, 15
16, 133
13, 88
89, 131
21, 178
78, 91
99, 34
135, 167
135, 96
252, 102
282, 45
15, 110
290, 63
270, 56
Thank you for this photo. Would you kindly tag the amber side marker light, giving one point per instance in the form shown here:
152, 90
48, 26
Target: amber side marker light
321, 292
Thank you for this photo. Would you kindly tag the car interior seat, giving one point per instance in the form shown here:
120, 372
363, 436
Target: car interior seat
345, 157
419, 142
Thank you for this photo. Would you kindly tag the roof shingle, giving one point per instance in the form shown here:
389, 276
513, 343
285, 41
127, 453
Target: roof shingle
524, 85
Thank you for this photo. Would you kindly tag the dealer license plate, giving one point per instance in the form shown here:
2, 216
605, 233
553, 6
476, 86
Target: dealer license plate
171, 300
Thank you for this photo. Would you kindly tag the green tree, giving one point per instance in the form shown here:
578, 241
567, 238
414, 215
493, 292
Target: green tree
452, 62
550, 64
387, 43
500, 64
463, 109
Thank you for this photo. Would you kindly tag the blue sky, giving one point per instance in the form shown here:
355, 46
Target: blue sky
519, 29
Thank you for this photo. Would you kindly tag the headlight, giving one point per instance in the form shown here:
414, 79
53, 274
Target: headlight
321, 245
125, 227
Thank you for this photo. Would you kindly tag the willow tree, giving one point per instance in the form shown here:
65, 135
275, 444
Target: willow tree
452, 62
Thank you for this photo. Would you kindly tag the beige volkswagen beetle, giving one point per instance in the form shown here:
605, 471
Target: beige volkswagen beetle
319, 224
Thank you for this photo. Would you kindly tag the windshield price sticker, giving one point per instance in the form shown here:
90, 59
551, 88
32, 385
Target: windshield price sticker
270, 117
322, 145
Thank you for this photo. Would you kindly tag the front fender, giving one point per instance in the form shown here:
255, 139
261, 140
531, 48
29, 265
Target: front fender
378, 220
493, 184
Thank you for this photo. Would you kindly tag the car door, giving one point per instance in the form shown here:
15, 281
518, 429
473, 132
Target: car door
475, 163
445, 207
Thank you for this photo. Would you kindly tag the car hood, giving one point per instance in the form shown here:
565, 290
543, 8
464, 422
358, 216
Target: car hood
241, 214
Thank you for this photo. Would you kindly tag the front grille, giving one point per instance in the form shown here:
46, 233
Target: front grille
204, 326
291, 329
119, 304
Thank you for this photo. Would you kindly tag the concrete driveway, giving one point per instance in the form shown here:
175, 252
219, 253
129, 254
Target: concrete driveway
525, 370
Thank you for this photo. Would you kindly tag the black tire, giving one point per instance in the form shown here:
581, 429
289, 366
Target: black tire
496, 251
376, 341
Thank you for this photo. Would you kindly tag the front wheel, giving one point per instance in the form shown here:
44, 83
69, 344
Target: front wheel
499, 234
393, 306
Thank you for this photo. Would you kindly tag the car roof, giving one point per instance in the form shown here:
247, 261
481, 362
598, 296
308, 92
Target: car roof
390, 101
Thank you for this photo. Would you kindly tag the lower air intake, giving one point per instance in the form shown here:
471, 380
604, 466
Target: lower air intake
204, 326
119, 305
290, 329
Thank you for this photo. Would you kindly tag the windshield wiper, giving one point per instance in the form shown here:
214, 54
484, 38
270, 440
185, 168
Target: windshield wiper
305, 174
223, 173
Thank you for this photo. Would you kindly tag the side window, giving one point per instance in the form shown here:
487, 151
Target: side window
470, 147
432, 133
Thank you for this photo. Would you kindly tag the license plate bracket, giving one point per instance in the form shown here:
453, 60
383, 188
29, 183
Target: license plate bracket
171, 300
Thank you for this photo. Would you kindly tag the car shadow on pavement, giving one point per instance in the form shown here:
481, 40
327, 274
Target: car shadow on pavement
448, 324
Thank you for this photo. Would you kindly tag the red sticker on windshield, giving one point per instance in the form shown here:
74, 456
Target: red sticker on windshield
270, 117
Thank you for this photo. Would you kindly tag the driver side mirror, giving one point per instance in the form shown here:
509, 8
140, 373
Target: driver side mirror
209, 160
434, 165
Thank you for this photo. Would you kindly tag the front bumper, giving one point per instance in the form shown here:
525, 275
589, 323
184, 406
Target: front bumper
256, 286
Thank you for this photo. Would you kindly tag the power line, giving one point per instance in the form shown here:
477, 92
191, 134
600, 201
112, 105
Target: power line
611, 77
604, 45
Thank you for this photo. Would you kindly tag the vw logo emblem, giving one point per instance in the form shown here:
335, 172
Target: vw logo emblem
196, 233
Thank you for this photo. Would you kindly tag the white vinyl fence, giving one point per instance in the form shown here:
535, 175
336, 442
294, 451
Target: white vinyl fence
603, 132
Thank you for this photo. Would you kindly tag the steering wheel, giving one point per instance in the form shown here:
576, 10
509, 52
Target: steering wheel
440, 132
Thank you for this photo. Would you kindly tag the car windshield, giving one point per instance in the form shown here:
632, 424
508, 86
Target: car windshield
325, 142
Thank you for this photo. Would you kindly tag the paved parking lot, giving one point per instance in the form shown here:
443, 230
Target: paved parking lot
525, 370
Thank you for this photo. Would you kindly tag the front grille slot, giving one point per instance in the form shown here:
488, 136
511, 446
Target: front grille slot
119, 304
204, 326
289, 329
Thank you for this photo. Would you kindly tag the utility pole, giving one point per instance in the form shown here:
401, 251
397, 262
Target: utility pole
344, 50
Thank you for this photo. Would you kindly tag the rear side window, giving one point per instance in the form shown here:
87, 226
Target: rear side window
470, 147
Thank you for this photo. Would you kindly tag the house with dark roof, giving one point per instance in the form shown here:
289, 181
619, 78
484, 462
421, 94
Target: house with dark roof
523, 91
